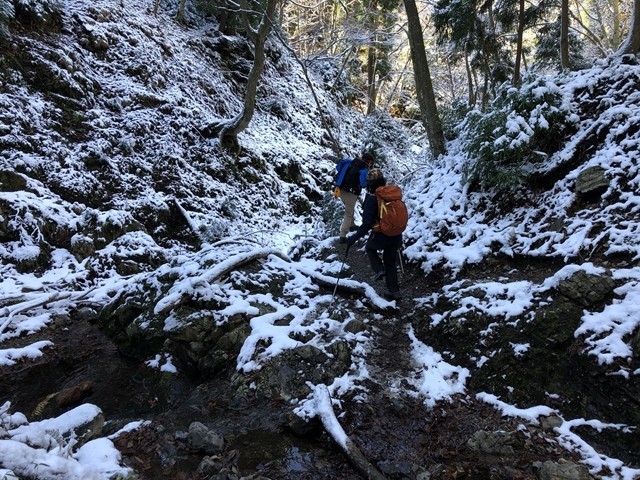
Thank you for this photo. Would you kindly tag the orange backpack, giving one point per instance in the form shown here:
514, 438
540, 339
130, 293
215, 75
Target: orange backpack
392, 211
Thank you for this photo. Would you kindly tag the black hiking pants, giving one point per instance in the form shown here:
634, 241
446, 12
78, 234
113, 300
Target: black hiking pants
389, 246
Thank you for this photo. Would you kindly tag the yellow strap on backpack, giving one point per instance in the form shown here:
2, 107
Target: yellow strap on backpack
382, 211
336, 192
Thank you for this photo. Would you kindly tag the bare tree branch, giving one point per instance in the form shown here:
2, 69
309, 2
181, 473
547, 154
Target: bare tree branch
325, 124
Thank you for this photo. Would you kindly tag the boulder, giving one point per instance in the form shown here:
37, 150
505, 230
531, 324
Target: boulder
202, 439
592, 181
587, 289
495, 443
561, 470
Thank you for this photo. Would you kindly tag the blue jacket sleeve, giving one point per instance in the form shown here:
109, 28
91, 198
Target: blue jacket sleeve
363, 177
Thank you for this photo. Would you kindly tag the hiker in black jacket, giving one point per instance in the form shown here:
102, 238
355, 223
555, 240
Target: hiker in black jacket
385, 268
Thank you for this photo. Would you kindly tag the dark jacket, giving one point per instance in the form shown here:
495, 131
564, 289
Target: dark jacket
369, 216
369, 219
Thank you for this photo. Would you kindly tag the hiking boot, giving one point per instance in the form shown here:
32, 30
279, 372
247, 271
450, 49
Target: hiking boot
392, 295
343, 240
378, 276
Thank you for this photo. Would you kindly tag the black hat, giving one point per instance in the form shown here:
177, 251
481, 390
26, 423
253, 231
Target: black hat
368, 157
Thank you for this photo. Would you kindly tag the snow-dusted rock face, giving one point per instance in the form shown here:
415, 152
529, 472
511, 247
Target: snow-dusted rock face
100, 136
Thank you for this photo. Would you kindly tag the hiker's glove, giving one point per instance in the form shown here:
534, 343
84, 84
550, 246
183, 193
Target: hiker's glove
351, 240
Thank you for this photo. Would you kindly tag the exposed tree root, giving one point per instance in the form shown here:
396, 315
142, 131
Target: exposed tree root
13, 310
226, 267
344, 285
222, 269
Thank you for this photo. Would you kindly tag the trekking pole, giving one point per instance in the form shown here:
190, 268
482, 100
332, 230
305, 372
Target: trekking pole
335, 289
400, 258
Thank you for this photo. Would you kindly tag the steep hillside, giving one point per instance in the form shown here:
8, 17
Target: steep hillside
171, 310
100, 136
534, 289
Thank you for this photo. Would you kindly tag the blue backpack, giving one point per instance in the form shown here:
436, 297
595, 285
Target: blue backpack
352, 175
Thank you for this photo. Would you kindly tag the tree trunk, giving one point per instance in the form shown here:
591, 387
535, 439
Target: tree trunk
485, 89
520, 35
616, 35
227, 18
450, 78
345, 61
229, 133
470, 82
424, 86
396, 85
564, 35
372, 55
371, 80
632, 42
181, 8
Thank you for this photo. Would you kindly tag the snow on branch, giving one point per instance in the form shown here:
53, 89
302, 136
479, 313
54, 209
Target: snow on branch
324, 410
178, 292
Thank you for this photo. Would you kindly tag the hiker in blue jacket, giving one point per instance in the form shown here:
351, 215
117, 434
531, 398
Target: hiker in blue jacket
351, 178
387, 267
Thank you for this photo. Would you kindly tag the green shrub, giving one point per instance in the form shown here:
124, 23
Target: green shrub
521, 130
332, 213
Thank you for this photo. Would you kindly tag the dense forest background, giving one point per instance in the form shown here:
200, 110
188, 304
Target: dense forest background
430, 63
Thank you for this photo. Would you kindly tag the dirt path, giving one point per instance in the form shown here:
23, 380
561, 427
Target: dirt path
394, 428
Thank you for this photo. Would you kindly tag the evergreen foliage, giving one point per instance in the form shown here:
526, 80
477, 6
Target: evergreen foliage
520, 129
332, 213
386, 139
548, 46
455, 20
452, 115
469, 29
